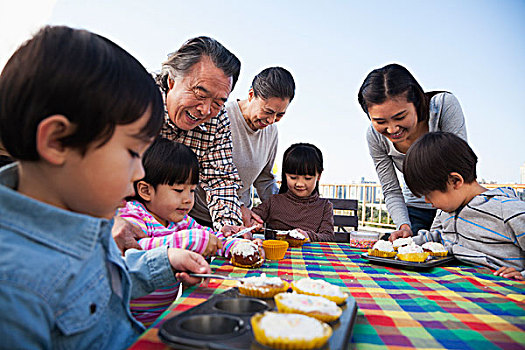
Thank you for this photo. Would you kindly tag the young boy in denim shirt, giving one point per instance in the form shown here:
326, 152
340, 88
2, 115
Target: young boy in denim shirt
77, 112
479, 226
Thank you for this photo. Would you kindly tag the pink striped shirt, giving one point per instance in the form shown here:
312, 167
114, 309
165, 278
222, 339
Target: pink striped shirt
185, 234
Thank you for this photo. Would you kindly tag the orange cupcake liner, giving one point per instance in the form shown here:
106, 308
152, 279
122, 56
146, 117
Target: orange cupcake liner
334, 298
381, 254
316, 314
287, 343
275, 249
413, 257
258, 292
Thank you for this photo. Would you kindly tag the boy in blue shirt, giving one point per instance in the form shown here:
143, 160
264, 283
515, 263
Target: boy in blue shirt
477, 225
77, 112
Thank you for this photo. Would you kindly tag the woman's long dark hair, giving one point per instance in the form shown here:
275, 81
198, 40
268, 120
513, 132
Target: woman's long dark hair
390, 82
301, 159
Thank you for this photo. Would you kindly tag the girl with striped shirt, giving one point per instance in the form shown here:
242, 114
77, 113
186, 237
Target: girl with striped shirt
160, 207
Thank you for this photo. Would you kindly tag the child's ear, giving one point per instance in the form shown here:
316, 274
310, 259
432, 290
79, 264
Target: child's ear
456, 180
319, 177
144, 190
49, 134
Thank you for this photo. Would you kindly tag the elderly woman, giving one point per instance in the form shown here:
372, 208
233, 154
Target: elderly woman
254, 134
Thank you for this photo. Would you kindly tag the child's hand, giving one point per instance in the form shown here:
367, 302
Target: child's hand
303, 232
403, 232
509, 272
214, 244
184, 261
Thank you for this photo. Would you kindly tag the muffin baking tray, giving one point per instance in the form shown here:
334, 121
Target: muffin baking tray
223, 322
432, 262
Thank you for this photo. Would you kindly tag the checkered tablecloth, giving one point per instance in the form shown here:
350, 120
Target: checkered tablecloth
451, 307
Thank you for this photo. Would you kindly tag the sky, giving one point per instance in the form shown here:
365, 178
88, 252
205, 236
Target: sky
472, 48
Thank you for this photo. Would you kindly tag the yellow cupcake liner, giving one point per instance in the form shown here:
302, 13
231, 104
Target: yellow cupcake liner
334, 298
413, 257
254, 266
257, 292
287, 343
381, 254
316, 314
275, 249
440, 254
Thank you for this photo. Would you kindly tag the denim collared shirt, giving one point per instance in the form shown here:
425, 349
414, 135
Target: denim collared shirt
63, 282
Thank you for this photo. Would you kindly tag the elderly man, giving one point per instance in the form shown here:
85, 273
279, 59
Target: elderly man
255, 135
197, 80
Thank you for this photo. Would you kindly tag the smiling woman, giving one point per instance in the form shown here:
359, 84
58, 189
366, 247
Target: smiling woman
401, 112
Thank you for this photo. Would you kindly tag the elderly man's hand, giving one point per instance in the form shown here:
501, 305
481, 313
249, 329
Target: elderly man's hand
249, 218
184, 262
126, 234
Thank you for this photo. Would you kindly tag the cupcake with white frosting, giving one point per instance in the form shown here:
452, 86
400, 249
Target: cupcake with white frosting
382, 249
435, 249
401, 242
290, 331
262, 286
412, 252
246, 254
310, 305
321, 288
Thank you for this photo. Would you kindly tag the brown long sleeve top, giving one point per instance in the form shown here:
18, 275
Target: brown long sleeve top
286, 211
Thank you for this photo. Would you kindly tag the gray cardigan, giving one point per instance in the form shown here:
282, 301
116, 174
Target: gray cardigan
445, 115
489, 230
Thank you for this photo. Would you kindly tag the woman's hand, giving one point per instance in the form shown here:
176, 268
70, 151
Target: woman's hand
509, 272
249, 218
126, 234
214, 244
403, 232
184, 261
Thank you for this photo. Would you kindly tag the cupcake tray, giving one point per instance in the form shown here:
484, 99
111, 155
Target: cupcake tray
432, 262
223, 322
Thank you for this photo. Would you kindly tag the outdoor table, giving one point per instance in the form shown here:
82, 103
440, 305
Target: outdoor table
450, 307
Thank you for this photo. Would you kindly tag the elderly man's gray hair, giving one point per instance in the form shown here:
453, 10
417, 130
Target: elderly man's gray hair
191, 52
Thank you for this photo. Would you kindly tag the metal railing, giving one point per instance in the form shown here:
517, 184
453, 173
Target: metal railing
372, 207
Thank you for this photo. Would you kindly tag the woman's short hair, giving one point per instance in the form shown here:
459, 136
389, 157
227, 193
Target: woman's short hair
390, 82
85, 77
274, 82
301, 159
191, 52
430, 160
168, 162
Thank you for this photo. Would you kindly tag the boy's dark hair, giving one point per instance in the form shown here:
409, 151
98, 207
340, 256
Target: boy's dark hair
191, 53
168, 162
274, 82
393, 81
87, 78
431, 159
301, 159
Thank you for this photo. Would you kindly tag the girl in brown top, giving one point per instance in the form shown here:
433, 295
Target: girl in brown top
298, 206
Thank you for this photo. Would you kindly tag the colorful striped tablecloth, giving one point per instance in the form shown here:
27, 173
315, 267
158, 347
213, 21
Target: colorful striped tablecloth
451, 307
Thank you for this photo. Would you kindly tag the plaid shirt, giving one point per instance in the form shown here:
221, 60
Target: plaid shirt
212, 143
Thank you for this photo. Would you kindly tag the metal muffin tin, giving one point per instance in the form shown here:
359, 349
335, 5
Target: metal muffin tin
223, 322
